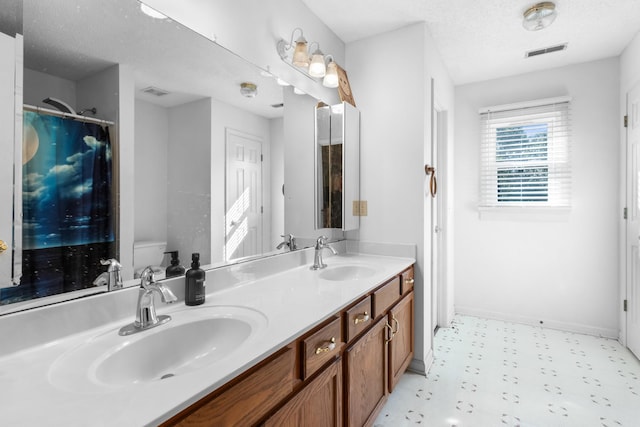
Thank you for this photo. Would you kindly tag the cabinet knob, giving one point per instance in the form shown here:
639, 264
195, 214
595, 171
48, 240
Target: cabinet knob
410, 281
327, 346
3, 246
361, 318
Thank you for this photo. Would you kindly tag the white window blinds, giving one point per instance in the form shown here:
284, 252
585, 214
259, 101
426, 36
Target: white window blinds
525, 154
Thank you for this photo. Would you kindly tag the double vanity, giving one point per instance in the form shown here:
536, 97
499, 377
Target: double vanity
274, 343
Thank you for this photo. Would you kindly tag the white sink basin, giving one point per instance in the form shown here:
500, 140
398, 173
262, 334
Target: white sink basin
347, 272
193, 339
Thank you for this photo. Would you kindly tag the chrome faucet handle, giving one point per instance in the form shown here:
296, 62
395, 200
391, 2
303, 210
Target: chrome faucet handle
321, 242
147, 278
114, 280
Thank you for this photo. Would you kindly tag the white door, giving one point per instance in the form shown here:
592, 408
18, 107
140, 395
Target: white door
243, 219
633, 220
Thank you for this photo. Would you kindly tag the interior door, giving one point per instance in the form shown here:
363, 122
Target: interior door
436, 218
633, 221
243, 219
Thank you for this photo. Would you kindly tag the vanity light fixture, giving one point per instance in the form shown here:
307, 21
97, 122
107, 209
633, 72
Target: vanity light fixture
539, 16
250, 90
331, 76
315, 67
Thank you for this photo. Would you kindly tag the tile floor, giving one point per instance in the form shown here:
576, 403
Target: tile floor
494, 373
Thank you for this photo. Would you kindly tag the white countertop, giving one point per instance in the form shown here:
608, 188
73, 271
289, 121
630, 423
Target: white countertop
293, 301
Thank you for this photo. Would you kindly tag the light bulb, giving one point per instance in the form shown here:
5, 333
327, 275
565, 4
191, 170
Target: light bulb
317, 67
331, 77
300, 55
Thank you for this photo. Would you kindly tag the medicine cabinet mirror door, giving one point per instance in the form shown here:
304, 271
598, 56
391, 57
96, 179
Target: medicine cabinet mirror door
337, 167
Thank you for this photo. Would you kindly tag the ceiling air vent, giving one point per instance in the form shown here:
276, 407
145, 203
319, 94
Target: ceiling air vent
280, 105
546, 50
155, 91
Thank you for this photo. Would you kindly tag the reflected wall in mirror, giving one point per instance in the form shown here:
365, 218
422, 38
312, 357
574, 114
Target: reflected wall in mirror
197, 167
337, 166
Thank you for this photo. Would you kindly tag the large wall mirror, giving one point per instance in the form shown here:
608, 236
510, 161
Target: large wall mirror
197, 158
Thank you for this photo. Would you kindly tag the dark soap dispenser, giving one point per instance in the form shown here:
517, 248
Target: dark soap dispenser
175, 269
194, 282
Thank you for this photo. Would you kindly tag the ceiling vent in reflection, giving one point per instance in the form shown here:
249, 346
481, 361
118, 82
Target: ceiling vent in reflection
155, 91
546, 50
280, 105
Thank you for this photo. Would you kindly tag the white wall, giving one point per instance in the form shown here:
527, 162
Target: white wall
277, 181
562, 271
39, 86
189, 185
390, 81
151, 172
629, 78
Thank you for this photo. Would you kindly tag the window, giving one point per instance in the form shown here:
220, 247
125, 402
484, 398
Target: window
525, 155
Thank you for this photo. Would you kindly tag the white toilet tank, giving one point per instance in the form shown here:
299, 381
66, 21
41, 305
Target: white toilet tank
147, 253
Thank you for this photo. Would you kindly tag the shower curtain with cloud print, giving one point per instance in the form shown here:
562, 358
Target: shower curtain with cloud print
67, 206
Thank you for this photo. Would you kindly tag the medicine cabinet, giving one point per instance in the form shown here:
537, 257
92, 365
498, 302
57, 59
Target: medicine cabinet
337, 167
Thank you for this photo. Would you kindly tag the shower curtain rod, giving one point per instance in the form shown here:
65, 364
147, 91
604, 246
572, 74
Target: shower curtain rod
67, 115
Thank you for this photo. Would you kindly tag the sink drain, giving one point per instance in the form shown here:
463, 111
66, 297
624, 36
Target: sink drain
165, 376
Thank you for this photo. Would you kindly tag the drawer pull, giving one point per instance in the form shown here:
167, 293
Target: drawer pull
388, 326
3, 246
361, 318
397, 324
327, 346
410, 281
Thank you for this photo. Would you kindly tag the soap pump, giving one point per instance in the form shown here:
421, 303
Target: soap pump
194, 282
175, 269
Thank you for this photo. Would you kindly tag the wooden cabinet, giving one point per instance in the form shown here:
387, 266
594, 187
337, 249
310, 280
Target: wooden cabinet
339, 373
401, 343
366, 376
318, 404
246, 399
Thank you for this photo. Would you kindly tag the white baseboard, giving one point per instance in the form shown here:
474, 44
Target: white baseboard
552, 324
421, 366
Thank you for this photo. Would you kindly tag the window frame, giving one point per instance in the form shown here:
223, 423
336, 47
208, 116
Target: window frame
555, 113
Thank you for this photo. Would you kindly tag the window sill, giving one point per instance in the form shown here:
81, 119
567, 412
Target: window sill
521, 213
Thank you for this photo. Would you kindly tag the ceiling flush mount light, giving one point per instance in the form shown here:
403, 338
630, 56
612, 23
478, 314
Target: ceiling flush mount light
149, 11
315, 66
249, 90
539, 16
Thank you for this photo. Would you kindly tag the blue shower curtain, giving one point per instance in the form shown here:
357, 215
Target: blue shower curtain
67, 206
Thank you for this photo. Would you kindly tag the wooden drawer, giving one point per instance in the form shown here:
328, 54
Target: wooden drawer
386, 296
358, 318
407, 280
320, 347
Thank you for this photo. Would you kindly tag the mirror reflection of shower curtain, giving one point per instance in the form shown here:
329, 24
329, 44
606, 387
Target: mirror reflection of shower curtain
67, 206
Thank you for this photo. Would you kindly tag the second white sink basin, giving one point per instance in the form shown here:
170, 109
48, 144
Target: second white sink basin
193, 339
347, 272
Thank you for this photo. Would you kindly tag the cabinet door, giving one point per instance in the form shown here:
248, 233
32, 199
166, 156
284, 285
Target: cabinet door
319, 404
401, 345
366, 376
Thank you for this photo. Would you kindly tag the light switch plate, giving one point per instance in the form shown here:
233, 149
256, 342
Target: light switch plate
359, 208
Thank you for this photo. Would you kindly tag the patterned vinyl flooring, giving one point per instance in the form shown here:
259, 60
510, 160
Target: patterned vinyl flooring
493, 373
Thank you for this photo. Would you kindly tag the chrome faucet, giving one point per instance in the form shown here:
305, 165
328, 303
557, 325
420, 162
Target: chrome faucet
321, 244
289, 241
146, 317
112, 277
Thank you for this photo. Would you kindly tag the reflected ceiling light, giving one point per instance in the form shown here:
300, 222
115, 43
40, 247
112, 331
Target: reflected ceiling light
315, 67
539, 16
282, 82
249, 90
298, 91
149, 11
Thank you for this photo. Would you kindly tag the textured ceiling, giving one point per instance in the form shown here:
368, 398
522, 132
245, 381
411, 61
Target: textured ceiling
484, 39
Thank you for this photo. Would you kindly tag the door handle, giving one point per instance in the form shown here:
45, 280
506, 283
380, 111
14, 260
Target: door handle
433, 181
